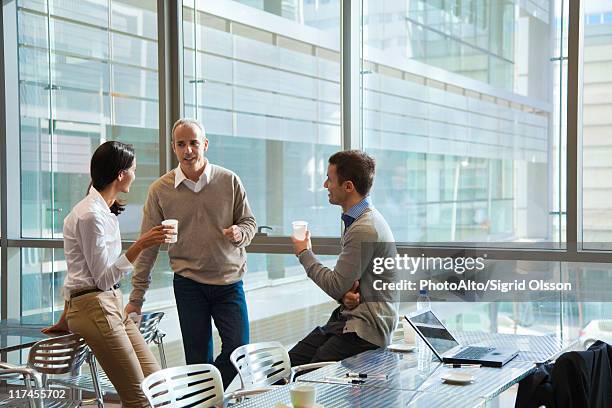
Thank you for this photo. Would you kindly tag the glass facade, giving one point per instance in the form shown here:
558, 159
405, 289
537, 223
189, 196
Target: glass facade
463, 104
475, 38
87, 74
596, 126
458, 160
270, 104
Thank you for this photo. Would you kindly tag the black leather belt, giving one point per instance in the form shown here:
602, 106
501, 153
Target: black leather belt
86, 291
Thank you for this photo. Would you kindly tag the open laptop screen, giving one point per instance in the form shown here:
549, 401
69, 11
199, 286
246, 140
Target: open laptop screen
434, 331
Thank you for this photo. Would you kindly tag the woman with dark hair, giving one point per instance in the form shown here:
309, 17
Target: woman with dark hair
92, 245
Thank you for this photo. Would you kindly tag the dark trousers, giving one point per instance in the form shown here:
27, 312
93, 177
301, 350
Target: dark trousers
321, 345
197, 303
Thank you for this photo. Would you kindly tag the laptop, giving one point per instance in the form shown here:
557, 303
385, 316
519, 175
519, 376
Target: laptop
448, 349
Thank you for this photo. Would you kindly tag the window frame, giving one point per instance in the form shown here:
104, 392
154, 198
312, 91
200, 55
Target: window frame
170, 68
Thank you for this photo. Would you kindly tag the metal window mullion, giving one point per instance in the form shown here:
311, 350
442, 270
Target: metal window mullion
165, 85
573, 122
3, 201
51, 128
10, 150
574, 129
175, 68
350, 74
111, 86
331, 246
54, 211
561, 210
555, 201
195, 63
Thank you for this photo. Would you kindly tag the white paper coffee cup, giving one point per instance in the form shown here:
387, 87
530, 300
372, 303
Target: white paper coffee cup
299, 229
303, 396
174, 224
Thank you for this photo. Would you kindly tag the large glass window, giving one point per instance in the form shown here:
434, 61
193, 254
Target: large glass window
597, 126
87, 74
463, 105
459, 109
267, 89
42, 277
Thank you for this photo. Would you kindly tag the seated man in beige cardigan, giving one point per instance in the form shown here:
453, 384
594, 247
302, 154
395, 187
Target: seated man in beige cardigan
370, 323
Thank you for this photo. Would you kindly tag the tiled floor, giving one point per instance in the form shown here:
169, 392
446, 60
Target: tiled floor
284, 313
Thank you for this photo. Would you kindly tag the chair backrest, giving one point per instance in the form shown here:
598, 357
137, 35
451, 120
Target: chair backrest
261, 364
149, 325
192, 385
58, 355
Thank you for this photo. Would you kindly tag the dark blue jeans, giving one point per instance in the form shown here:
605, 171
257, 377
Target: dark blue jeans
197, 303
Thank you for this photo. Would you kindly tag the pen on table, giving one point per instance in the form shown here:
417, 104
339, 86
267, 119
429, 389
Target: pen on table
364, 375
453, 365
345, 380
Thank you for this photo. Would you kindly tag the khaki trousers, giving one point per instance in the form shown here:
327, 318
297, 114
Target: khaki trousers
114, 339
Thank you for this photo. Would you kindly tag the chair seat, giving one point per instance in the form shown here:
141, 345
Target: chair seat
5, 401
84, 382
60, 372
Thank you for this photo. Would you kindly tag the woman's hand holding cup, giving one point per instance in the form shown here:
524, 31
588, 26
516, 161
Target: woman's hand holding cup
161, 234
158, 235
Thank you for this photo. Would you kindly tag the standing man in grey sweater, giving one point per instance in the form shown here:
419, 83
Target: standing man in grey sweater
367, 324
215, 224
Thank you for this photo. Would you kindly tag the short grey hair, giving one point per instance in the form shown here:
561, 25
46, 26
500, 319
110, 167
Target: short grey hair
188, 122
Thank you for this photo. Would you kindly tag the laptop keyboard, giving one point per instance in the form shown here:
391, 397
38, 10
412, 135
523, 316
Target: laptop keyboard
472, 353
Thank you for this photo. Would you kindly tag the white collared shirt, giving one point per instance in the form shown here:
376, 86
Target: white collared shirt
92, 244
179, 177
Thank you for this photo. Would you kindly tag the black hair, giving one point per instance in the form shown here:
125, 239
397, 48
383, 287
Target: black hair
355, 166
110, 159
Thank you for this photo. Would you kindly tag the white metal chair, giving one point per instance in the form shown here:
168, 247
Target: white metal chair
98, 382
196, 385
265, 364
56, 355
28, 375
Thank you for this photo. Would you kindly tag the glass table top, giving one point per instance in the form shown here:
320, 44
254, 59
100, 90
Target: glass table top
340, 396
408, 372
15, 335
